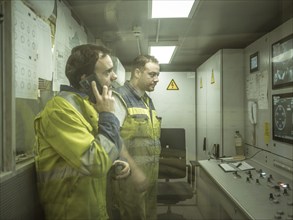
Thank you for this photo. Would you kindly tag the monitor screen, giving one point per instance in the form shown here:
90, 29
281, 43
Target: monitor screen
283, 117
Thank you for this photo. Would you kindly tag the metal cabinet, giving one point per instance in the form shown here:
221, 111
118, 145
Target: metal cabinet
220, 102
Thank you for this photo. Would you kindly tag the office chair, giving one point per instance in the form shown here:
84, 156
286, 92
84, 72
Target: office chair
172, 169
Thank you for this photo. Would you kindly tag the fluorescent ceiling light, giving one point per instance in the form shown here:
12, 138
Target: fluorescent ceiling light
162, 53
171, 8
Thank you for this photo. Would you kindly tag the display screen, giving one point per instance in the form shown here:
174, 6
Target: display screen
283, 117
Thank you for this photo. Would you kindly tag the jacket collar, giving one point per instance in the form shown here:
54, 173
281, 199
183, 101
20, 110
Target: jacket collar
67, 88
134, 92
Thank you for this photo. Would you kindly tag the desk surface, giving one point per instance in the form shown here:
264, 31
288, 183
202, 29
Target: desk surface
259, 193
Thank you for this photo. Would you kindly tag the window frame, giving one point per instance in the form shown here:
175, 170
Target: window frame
7, 92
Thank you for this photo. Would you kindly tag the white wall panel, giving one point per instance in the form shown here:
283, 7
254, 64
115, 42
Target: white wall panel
177, 107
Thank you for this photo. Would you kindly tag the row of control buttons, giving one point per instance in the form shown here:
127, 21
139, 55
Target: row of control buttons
280, 189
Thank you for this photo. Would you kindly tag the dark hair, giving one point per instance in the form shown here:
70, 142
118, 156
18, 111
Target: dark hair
141, 60
82, 60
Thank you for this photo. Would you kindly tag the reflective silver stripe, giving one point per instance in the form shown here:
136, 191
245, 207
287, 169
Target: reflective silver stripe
142, 160
87, 160
146, 142
58, 174
72, 99
108, 145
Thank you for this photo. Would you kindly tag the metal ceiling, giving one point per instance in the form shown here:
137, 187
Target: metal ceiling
125, 27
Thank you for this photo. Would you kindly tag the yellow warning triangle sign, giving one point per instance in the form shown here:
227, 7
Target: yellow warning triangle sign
172, 85
213, 77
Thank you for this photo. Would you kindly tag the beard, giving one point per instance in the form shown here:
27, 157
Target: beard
151, 88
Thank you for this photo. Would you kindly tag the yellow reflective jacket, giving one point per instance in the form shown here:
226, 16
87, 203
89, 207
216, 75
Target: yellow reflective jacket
74, 151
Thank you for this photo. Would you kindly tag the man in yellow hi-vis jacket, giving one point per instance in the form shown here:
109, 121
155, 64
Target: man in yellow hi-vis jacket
77, 139
140, 131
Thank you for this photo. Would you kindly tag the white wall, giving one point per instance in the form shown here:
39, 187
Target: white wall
177, 107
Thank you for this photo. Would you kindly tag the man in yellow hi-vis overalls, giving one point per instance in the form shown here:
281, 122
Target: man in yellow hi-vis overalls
78, 139
140, 132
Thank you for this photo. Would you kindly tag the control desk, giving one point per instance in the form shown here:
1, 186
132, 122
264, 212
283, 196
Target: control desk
253, 193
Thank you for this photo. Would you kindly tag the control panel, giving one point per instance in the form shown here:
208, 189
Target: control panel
258, 192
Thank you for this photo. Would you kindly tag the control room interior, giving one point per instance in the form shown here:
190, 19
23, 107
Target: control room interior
225, 98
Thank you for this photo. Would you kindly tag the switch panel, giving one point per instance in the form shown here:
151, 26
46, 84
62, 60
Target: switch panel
258, 193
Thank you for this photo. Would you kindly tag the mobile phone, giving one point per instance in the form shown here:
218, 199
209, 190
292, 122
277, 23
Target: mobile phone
87, 86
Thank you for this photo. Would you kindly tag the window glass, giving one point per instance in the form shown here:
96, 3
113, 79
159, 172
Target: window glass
25, 111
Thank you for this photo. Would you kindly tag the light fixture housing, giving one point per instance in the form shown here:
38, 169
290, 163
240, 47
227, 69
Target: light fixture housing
164, 54
172, 8
163, 50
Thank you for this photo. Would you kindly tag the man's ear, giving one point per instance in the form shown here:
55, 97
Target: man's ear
137, 73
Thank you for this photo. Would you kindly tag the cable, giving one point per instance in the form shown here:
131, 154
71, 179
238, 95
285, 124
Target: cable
255, 154
138, 45
266, 151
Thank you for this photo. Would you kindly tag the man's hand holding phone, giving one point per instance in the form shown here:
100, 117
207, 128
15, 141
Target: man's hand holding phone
105, 101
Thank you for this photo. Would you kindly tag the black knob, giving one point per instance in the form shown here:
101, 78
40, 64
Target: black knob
257, 181
276, 201
285, 192
271, 196
277, 187
236, 174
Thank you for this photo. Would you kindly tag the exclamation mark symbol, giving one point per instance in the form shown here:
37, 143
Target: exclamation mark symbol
172, 85
213, 77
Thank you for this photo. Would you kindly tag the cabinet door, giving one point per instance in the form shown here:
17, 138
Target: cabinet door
201, 113
214, 93
209, 105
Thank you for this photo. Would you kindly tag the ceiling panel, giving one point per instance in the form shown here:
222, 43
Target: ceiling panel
215, 24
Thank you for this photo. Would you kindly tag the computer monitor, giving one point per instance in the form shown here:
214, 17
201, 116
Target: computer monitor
283, 117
